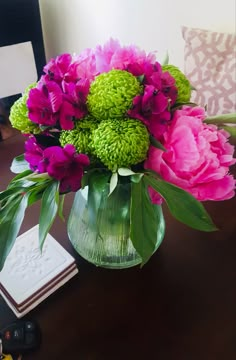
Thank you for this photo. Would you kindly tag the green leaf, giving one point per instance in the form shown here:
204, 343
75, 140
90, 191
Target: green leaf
21, 175
179, 105
113, 182
136, 177
19, 164
140, 79
219, 119
7, 204
23, 182
97, 184
193, 87
8, 192
154, 142
48, 211
183, 206
166, 59
35, 177
125, 172
10, 226
85, 180
147, 224
60, 208
35, 194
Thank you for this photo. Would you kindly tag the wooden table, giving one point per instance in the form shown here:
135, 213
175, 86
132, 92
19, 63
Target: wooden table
180, 306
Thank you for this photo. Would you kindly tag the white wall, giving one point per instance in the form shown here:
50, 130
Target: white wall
72, 25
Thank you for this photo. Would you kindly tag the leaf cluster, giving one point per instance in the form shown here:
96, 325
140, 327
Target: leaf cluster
147, 223
25, 189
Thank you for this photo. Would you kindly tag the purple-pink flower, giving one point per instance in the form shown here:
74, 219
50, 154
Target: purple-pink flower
34, 155
51, 105
56, 69
63, 164
76, 94
66, 165
159, 94
44, 102
197, 157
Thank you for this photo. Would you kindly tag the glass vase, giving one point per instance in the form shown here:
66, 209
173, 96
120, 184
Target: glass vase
99, 227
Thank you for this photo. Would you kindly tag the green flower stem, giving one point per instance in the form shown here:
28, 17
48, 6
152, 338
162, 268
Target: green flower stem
221, 119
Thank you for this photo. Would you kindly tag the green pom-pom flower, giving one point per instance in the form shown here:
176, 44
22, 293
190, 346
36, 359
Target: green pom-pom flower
81, 135
182, 83
121, 143
111, 94
19, 115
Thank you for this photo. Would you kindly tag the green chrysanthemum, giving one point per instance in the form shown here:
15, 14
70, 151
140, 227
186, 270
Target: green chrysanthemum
121, 143
81, 135
19, 115
111, 94
182, 83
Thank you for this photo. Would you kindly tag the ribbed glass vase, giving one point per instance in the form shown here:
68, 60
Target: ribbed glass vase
99, 227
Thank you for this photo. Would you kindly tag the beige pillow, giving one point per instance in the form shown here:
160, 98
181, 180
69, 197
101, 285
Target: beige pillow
210, 65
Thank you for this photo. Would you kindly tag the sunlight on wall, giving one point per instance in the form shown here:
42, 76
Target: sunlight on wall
72, 25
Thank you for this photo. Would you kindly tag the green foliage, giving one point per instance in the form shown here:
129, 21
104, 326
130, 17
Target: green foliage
183, 206
154, 142
221, 119
10, 223
98, 184
147, 224
25, 189
19, 164
49, 207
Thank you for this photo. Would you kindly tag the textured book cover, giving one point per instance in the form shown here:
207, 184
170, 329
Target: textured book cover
29, 275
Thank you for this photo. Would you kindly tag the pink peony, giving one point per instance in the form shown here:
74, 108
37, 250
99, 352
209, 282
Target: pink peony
197, 157
114, 56
85, 65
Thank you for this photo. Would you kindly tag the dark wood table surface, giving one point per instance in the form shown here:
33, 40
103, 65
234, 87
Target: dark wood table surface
180, 306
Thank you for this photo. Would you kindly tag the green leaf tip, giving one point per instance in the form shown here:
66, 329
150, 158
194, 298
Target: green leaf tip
182, 205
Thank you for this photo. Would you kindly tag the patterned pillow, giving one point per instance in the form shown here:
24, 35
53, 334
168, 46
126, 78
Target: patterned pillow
210, 65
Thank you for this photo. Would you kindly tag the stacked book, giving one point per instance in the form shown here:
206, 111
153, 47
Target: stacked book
29, 276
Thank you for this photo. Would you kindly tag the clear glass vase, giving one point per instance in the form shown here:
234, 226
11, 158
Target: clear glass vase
99, 227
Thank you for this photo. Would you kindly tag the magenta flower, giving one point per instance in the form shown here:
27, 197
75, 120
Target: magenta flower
49, 106
152, 109
65, 165
66, 115
44, 103
198, 157
168, 87
76, 94
34, 155
148, 104
57, 68
153, 106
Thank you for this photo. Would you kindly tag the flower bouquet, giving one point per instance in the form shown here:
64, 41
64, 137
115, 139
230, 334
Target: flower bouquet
116, 124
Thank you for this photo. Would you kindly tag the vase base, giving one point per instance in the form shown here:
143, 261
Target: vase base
113, 266
110, 262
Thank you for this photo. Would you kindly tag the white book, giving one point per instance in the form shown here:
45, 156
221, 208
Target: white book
29, 275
